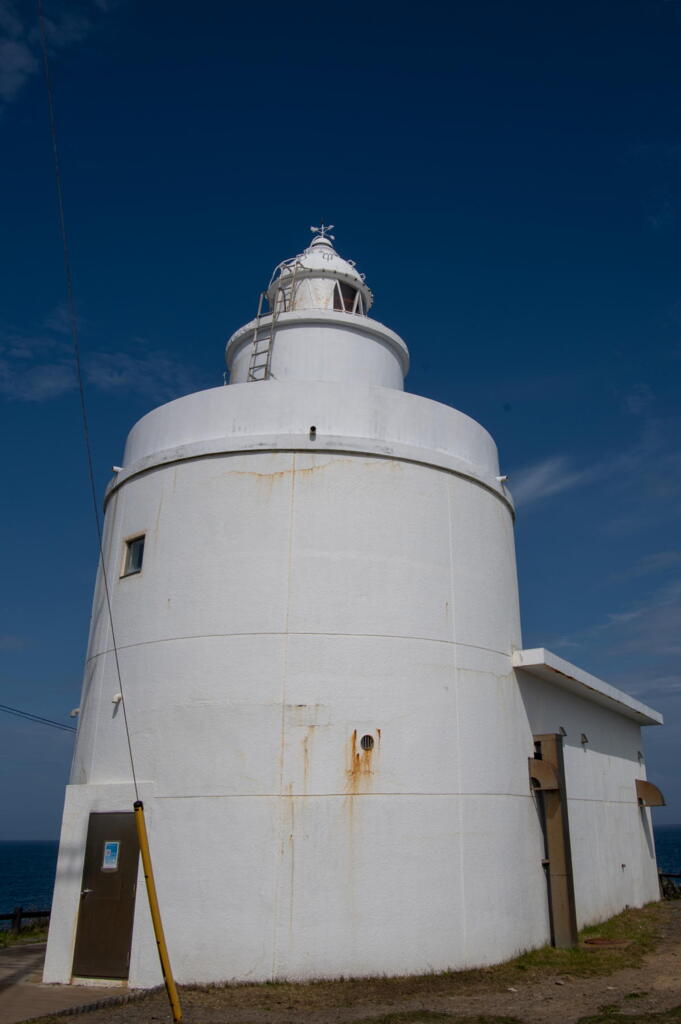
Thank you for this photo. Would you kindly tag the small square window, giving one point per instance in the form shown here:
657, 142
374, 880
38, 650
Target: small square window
134, 553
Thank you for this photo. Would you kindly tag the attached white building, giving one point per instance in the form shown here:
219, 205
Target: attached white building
331, 714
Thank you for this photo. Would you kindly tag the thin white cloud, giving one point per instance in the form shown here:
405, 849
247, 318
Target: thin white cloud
11, 642
648, 687
155, 375
660, 561
563, 642
664, 215
651, 628
621, 618
40, 367
68, 24
39, 383
10, 24
547, 477
17, 64
644, 480
640, 399
34, 368
642, 484
72, 27
656, 629
58, 320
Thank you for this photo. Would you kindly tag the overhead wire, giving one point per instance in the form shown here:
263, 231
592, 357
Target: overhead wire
140, 823
29, 716
73, 328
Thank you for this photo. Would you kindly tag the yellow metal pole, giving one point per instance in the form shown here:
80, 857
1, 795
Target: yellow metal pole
155, 912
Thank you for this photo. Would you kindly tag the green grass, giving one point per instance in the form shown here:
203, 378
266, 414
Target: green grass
642, 928
665, 1017
35, 933
427, 1016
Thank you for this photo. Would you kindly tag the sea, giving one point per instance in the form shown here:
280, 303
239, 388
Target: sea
27, 868
27, 874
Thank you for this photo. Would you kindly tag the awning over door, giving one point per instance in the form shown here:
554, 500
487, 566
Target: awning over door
648, 794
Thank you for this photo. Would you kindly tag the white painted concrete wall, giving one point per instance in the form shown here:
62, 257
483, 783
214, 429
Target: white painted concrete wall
289, 602
295, 595
347, 417
613, 853
323, 345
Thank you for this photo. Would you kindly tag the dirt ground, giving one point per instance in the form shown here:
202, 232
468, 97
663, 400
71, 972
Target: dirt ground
635, 979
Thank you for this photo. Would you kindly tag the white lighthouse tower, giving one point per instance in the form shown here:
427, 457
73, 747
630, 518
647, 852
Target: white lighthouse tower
316, 617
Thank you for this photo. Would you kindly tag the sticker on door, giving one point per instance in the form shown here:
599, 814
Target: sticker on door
110, 858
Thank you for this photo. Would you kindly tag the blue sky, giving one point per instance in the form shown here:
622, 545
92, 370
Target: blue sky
508, 176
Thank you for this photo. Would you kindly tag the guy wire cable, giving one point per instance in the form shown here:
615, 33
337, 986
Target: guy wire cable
73, 326
140, 823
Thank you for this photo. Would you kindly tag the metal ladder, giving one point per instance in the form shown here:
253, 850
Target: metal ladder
261, 353
260, 364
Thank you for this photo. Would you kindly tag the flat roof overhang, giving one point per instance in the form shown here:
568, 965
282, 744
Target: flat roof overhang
548, 666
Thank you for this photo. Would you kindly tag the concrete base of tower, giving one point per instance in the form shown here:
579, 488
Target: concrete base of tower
362, 880
298, 888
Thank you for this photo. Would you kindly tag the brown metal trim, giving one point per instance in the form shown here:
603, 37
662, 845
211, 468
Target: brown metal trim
542, 774
558, 862
648, 794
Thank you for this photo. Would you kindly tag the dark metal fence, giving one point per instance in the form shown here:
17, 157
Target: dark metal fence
670, 888
19, 914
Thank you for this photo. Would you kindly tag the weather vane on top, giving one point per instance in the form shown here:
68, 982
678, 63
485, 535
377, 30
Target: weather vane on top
323, 230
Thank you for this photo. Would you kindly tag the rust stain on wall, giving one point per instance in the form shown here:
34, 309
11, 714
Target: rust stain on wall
158, 512
361, 765
292, 866
306, 744
280, 474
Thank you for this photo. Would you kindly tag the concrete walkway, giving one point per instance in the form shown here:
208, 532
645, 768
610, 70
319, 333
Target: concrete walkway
23, 995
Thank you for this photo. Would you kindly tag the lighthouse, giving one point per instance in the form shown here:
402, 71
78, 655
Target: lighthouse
350, 765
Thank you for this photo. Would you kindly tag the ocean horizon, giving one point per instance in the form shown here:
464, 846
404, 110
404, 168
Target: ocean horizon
27, 867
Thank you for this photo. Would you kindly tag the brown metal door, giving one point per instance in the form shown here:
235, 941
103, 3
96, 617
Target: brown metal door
107, 901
